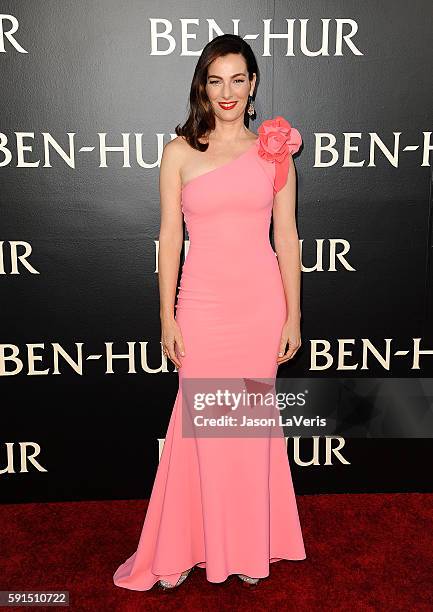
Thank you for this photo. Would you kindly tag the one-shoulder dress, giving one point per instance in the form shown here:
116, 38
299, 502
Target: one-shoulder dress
225, 504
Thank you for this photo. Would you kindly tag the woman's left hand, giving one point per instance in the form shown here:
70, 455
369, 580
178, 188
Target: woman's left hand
290, 334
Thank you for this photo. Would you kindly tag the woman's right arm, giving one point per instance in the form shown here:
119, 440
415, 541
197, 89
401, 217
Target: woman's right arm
170, 246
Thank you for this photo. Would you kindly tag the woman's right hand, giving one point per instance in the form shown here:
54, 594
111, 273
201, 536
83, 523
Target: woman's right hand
172, 340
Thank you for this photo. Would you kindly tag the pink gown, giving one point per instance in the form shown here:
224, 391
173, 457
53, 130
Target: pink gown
225, 504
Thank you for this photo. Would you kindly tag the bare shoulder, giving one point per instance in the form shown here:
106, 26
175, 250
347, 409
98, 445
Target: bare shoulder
183, 157
174, 150
173, 156
175, 153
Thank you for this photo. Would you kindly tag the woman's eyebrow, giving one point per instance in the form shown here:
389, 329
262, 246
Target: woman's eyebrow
215, 76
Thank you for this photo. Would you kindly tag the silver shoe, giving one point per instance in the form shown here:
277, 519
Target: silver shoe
248, 579
166, 585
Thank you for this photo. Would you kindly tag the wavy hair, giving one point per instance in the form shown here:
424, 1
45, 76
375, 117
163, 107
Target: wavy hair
201, 118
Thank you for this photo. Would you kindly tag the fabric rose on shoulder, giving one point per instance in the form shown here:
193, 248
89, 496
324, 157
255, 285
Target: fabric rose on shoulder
277, 138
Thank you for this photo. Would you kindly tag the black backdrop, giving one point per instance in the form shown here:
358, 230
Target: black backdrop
79, 226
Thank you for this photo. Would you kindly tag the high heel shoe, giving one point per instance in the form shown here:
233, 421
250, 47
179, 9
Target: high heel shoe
163, 584
247, 579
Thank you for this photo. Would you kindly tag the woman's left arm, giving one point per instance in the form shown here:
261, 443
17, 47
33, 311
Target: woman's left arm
286, 243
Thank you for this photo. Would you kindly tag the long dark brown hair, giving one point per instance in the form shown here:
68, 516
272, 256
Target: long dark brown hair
201, 119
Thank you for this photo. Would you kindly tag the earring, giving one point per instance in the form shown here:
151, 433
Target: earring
251, 110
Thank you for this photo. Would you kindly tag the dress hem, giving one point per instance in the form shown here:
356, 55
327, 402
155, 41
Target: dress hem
220, 581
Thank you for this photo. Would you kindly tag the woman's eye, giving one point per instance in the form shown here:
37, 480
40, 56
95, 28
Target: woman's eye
236, 81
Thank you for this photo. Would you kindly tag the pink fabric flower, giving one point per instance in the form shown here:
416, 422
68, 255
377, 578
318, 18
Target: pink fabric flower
277, 138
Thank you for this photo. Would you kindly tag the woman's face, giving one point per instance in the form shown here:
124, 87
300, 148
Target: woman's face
228, 86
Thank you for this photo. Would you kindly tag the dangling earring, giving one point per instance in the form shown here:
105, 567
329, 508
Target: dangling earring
251, 110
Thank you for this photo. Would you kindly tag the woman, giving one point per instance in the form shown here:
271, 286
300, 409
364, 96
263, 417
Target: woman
225, 504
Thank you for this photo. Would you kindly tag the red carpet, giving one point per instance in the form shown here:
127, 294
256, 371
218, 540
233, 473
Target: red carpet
364, 552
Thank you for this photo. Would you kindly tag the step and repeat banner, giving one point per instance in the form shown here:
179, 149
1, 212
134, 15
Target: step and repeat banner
91, 91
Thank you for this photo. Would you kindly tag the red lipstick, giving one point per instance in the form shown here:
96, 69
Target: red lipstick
227, 105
